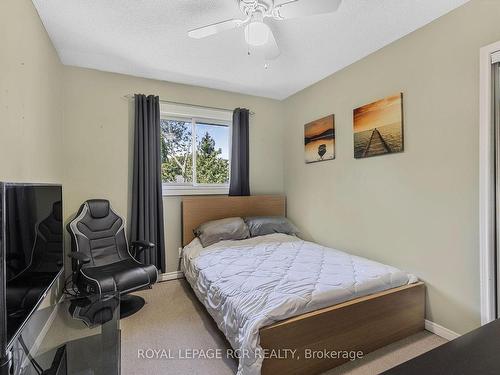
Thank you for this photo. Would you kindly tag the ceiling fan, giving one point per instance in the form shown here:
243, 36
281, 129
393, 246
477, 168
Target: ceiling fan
256, 12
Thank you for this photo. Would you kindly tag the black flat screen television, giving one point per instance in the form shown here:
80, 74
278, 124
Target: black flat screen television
31, 252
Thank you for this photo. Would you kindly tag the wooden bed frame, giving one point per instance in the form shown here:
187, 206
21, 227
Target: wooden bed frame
360, 325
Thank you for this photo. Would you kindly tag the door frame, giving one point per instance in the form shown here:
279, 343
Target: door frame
486, 186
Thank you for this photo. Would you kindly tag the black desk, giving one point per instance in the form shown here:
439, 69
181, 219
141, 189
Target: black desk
476, 353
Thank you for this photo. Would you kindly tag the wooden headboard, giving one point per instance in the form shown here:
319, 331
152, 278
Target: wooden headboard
198, 210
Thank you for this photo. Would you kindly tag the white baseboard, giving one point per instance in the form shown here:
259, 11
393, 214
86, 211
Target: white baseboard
171, 276
440, 330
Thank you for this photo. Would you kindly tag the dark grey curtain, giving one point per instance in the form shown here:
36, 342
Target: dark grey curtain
147, 203
240, 174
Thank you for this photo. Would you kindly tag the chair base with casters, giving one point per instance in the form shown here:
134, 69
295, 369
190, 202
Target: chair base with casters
102, 260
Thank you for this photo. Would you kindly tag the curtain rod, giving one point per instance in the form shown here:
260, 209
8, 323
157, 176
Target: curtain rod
132, 97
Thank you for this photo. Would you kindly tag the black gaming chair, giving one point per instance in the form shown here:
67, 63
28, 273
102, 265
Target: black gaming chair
102, 262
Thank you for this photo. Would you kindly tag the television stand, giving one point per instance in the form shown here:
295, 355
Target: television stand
81, 336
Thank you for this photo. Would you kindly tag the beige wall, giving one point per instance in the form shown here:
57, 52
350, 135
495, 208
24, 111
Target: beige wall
417, 210
98, 138
30, 102
30, 97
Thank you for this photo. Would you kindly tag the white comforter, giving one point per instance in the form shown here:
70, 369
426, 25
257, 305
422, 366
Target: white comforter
246, 285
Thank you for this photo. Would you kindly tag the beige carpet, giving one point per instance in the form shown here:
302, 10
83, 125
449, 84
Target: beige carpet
173, 321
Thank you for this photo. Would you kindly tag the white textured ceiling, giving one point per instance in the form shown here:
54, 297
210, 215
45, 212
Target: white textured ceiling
148, 38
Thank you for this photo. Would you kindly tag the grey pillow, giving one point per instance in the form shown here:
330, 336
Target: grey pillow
233, 228
262, 225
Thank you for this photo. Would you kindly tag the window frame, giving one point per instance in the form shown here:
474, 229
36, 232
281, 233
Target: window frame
194, 188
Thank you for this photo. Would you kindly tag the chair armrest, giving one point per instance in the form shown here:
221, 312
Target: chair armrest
79, 257
141, 245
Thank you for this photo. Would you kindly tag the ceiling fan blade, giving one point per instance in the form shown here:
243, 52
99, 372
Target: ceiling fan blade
203, 32
271, 49
303, 8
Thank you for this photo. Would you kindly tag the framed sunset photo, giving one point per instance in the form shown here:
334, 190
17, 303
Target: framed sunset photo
378, 127
319, 140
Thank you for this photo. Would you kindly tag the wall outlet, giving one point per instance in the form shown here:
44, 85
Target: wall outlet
180, 252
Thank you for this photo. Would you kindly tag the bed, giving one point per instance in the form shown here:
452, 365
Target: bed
290, 306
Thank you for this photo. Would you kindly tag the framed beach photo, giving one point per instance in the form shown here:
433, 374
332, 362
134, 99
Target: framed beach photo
319, 140
378, 127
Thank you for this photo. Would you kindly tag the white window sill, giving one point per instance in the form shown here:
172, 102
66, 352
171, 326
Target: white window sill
194, 190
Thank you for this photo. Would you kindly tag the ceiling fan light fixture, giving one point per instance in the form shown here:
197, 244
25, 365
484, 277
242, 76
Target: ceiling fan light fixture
257, 32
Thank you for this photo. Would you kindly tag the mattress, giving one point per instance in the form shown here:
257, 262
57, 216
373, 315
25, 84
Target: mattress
248, 284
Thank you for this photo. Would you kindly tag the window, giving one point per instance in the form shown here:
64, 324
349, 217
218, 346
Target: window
195, 150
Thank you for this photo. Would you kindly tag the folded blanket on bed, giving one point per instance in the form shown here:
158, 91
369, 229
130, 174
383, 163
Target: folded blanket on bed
248, 284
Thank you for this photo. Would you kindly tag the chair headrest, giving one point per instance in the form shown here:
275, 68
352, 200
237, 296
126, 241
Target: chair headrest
99, 208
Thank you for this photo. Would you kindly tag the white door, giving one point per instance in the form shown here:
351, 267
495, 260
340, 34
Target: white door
496, 118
